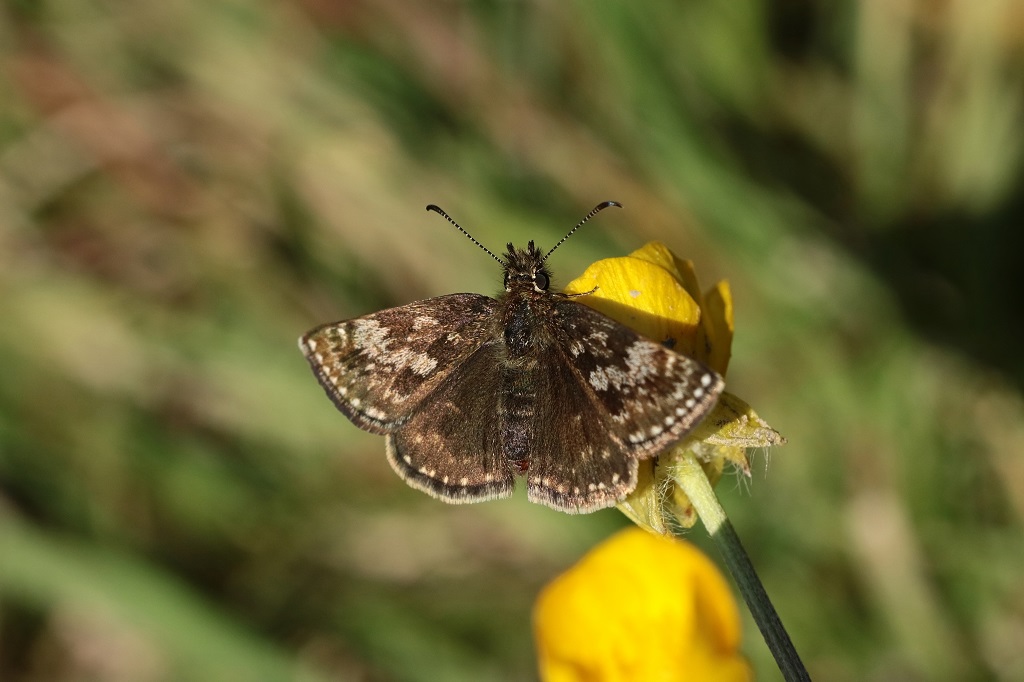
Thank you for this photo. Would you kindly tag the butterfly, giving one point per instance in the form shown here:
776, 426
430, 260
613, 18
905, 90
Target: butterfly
472, 391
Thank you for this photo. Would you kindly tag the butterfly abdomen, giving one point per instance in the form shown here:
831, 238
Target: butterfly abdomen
517, 406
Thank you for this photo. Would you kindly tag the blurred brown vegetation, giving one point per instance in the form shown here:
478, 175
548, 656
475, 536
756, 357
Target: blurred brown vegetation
186, 187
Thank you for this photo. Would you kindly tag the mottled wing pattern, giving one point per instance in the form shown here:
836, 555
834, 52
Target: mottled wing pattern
451, 447
378, 368
637, 398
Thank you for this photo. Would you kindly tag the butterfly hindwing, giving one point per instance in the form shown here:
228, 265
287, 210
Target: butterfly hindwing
378, 368
451, 447
575, 465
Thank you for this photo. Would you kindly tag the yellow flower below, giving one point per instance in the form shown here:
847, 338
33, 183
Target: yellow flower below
639, 607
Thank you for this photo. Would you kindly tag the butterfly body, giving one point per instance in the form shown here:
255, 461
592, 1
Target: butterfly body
472, 391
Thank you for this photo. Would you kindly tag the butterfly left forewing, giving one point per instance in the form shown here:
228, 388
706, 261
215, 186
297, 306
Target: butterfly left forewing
378, 368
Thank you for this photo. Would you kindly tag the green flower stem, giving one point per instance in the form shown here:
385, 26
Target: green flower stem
689, 475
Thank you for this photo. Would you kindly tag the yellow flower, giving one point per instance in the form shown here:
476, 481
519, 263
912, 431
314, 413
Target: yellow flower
639, 607
657, 293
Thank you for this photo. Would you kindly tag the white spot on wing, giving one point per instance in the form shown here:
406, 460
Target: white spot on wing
374, 341
374, 413
369, 337
640, 366
422, 321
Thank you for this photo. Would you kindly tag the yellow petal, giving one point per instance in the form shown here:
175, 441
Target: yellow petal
681, 269
643, 296
660, 255
688, 278
643, 506
639, 607
717, 327
680, 507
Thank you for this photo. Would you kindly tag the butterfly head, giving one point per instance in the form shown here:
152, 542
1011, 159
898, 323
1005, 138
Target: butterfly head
525, 269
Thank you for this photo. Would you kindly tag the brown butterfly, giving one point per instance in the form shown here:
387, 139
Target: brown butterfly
471, 391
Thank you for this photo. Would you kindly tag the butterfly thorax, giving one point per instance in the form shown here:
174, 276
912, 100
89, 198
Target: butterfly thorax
526, 306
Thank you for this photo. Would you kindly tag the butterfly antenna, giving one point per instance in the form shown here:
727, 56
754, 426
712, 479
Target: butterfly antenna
437, 209
597, 209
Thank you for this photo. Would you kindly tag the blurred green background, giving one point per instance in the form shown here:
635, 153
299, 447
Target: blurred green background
186, 187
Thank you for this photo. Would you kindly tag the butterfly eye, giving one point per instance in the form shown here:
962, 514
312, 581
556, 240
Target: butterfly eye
540, 281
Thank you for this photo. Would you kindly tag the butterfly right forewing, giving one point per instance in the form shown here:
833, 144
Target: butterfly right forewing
651, 396
608, 397
377, 369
